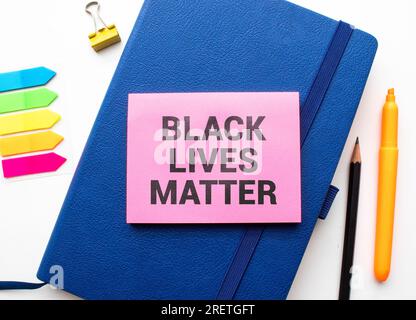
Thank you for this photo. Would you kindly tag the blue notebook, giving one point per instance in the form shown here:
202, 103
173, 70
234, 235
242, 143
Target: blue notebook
205, 46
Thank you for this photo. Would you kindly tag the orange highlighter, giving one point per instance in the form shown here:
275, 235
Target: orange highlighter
389, 154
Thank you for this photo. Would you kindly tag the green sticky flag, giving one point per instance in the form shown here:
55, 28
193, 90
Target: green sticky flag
26, 100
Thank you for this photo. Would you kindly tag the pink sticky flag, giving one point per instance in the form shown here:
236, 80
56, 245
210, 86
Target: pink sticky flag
23, 166
213, 158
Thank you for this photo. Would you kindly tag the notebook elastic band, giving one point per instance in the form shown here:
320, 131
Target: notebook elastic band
308, 113
329, 200
323, 78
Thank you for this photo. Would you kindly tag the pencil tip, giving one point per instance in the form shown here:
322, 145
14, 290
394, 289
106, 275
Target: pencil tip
356, 155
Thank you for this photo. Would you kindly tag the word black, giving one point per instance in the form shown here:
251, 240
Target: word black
212, 129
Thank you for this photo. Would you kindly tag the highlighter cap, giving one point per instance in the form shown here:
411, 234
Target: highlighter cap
389, 134
390, 96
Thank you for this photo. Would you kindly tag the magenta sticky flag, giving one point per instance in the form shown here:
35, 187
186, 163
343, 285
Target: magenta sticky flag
23, 166
213, 158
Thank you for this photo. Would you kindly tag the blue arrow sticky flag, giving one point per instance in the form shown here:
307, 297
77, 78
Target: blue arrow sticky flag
25, 78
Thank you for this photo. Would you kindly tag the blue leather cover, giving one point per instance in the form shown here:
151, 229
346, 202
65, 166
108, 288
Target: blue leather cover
201, 46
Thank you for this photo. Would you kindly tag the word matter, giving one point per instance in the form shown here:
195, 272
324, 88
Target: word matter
249, 192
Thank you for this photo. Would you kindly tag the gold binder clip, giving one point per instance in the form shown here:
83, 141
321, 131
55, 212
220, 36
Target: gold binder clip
104, 37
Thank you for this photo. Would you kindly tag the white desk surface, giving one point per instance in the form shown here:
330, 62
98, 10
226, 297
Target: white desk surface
54, 34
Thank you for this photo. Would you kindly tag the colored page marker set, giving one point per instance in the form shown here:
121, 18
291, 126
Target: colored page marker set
18, 122
18, 119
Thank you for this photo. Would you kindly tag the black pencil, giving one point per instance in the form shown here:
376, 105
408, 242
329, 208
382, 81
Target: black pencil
351, 223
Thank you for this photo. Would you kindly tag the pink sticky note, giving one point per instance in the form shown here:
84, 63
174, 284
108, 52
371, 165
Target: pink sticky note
22, 166
213, 158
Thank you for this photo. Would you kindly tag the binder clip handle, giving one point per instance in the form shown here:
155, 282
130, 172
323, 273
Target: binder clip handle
95, 14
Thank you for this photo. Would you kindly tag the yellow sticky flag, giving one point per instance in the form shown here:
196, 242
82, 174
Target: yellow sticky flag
34, 142
23, 122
